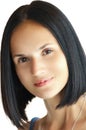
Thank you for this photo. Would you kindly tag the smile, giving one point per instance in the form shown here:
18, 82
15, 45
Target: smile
43, 82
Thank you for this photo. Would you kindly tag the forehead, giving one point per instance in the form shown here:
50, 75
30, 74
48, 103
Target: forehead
30, 30
31, 33
28, 26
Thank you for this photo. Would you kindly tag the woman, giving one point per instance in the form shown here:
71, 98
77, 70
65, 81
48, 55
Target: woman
41, 56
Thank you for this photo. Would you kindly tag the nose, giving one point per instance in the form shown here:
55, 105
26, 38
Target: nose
37, 67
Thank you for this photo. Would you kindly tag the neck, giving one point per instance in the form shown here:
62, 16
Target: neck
65, 116
53, 113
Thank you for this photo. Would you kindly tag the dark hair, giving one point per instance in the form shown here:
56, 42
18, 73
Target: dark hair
14, 95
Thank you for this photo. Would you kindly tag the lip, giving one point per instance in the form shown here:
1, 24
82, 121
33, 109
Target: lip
43, 82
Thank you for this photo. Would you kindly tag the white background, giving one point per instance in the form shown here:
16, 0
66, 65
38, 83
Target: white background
75, 10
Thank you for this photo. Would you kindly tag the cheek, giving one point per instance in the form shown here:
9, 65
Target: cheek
22, 75
61, 69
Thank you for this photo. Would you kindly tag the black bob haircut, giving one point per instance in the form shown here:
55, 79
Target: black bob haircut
14, 96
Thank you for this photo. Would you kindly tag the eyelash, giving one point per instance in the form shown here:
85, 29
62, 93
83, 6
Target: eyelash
23, 59
44, 53
47, 51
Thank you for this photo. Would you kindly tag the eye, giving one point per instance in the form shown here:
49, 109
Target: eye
47, 51
23, 60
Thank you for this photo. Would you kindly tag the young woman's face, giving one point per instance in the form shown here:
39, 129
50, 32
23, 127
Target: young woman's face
39, 61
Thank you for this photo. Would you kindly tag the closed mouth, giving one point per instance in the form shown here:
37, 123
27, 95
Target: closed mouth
43, 82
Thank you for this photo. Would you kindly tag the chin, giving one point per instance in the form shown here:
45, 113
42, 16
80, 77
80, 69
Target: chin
48, 96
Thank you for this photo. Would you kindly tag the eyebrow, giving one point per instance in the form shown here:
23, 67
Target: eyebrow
44, 46
18, 55
40, 48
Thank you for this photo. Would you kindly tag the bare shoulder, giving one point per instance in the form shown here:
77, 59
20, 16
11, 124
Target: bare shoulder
25, 126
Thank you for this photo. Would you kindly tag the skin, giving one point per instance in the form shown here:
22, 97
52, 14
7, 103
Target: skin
42, 68
37, 58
